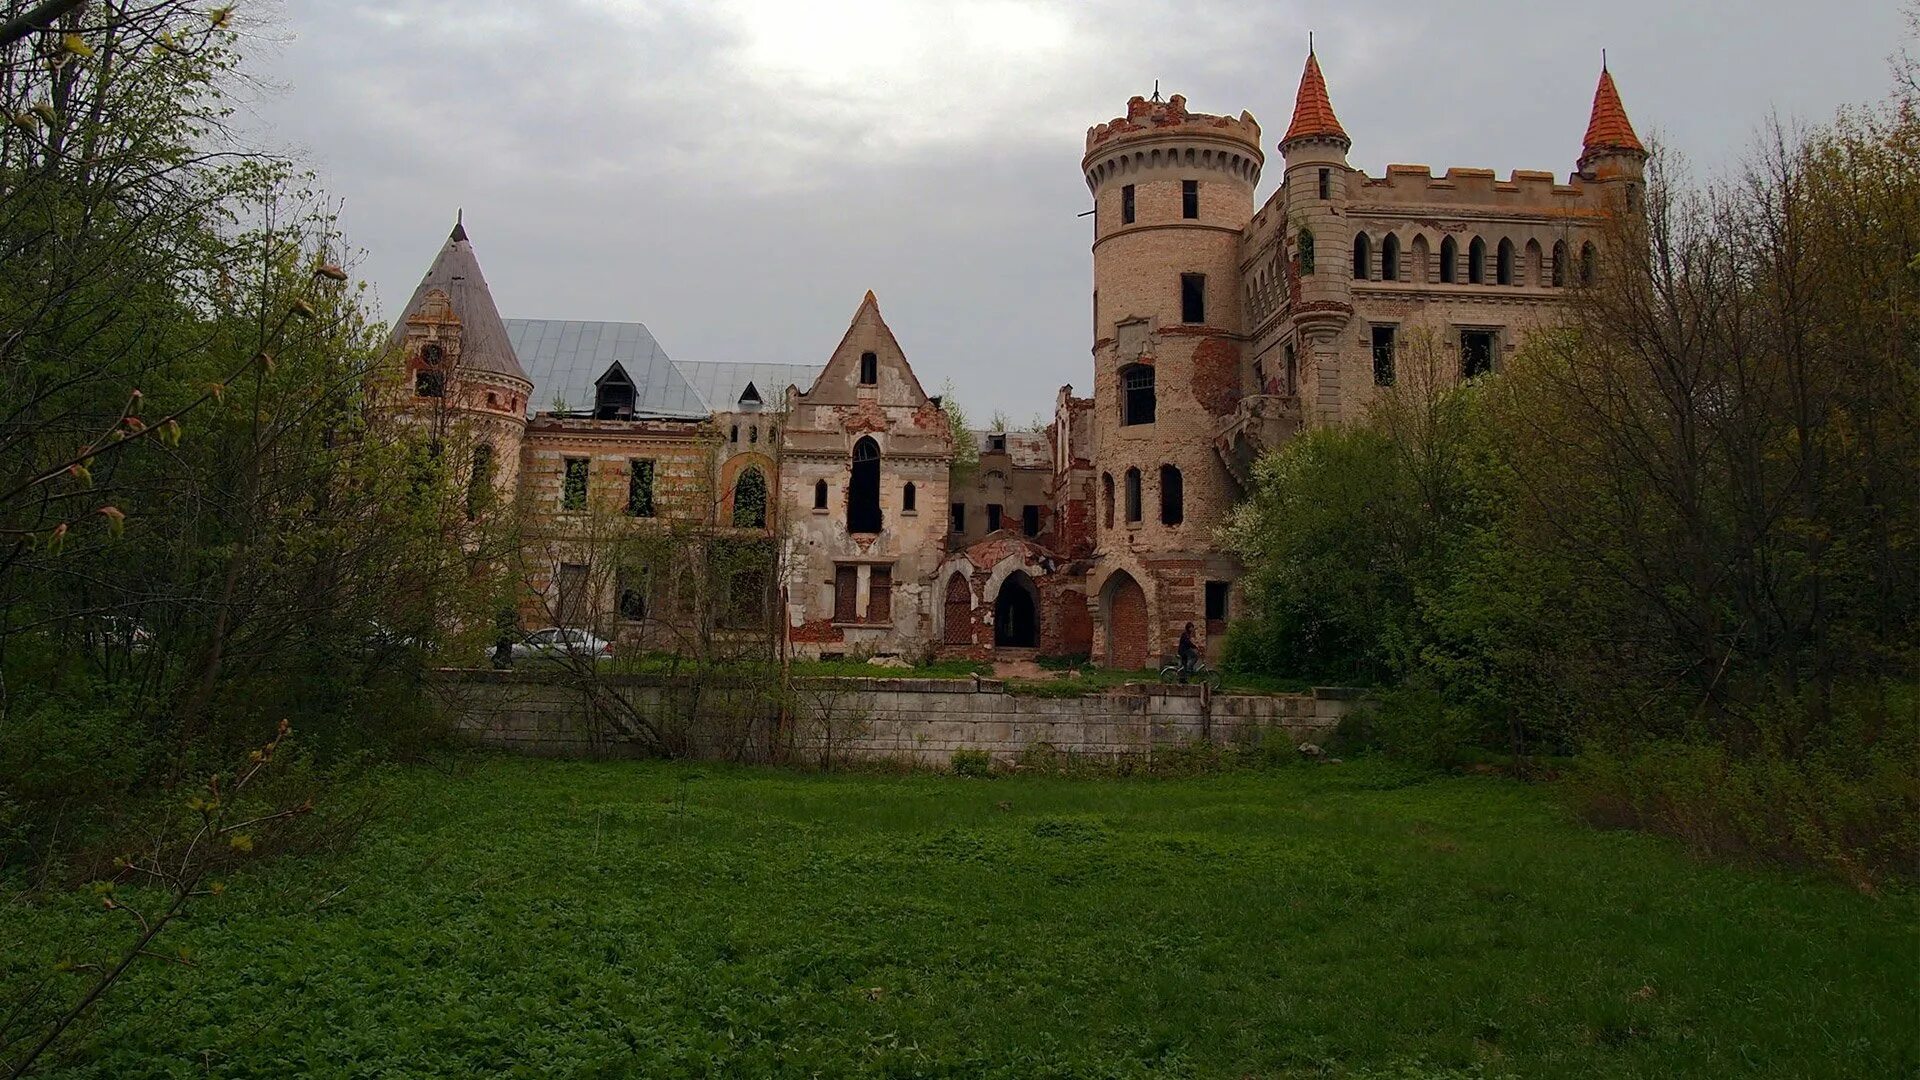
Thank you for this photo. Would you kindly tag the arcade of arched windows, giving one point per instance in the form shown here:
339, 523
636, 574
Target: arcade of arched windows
1477, 260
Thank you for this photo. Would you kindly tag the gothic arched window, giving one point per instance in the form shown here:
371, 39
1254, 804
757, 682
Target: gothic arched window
750, 499
863, 488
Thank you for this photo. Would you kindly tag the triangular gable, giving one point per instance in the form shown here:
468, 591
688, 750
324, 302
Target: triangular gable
868, 332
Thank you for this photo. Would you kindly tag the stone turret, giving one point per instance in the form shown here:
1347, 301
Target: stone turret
1318, 186
1611, 155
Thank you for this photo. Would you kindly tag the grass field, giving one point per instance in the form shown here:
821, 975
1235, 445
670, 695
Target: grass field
527, 918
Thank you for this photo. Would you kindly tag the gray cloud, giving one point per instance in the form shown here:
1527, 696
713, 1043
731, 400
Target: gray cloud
736, 173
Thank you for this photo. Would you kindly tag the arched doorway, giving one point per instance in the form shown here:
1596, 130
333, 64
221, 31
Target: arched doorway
959, 613
1016, 623
1126, 622
863, 488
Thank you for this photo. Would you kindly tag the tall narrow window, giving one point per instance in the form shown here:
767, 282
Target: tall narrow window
863, 488
993, 517
640, 487
1305, 246
480, 481
1137, 395
573, 484
869, 369
1449, 260
1193, 298
632, 584
570, 601
750, 499
1559, 264
1390, 258
819, 494
1383, 356
1326, 184
959, 514
1126, 205
1106, 500
734, 435
1477, 262
1216, 601
880, 594
1589, 263
1173, 506
846, 594
1476, 352
1030, 520
1362, 256
1133, 496
1503, 262
1189, 198
907, 497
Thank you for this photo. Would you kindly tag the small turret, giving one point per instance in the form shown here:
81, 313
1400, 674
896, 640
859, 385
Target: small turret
1611, 151
1319, 236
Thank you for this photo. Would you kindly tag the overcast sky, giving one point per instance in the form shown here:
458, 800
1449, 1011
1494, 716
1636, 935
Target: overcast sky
737, 173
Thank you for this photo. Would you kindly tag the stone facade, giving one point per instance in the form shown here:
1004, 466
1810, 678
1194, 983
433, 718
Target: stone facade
1220, 330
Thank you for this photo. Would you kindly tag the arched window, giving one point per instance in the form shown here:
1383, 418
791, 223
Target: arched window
1362, 256
1503, 262
1306, 251
869, 369
1136, 394
734, 436
1133, 496
431, 379
480, 481
1173, 509
1422, 270
750, 499
863, 489
1477, 262
907, 499
1559, 264
1390, 258
1589, 263
1449, 260
1534, 272
1106, 500
819, 494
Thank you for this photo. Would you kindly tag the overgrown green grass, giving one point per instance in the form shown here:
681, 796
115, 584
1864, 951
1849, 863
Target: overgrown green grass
519, 917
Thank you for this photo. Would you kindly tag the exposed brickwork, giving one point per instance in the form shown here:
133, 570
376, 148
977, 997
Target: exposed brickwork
1127, 631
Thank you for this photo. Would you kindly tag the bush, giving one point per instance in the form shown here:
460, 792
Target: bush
1418, 726
976, 763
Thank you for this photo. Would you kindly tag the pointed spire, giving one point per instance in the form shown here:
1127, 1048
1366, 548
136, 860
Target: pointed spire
1608, 129
455, 274
459, 233
1312, 110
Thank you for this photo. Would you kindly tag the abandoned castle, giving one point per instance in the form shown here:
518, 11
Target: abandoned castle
1220, 328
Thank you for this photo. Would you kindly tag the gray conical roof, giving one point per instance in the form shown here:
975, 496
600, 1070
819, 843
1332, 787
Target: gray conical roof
484, 345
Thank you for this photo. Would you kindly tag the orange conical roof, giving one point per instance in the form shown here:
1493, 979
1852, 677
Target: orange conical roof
1609, 129
1312, 111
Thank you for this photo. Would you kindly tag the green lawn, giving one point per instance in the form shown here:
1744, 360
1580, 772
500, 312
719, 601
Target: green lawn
533, 918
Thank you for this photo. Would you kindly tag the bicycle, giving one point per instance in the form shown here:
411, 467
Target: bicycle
1201, 674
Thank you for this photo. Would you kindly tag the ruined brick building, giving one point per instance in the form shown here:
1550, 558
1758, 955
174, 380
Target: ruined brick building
1220, 329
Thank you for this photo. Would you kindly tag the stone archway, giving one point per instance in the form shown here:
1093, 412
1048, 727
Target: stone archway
1016, 613
1126, 604
959, 612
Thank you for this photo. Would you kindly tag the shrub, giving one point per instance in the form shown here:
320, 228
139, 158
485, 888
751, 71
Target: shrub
975, 763
1417, 725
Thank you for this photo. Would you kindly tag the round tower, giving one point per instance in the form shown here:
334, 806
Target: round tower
1319, 240
1611, 155
1173, 191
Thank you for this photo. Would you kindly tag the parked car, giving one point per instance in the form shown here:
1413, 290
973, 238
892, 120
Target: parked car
560, 642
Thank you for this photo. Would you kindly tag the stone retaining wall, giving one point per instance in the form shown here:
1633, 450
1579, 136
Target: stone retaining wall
922, 720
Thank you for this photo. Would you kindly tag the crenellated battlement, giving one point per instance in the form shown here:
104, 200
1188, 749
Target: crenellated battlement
1147, 118
1523, 189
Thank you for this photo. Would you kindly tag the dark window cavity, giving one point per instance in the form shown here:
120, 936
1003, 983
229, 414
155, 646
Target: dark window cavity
750, 499
1216, 601
993, 517
959, 512
1362, 256
1193, 298
819, 494
1390, 258
1126, 205
1503, 262
1326, 183
1305, 244
1173, 508
1477, 262
1133, 496
907, 498
1449, 260
1189, 198
863, 489
1030, 520
1476, 352
1106, 500
431, 381
869, 369
613, 396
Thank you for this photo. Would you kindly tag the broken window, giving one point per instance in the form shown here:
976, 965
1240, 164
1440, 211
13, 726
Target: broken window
573, 484
1449, 260
1030, 520
1193, 298
640, 487
1559, 264
869, 369
1503, 262
480, 481
1326, 184
1189, 198
1216, 601
1133, 496
750, 499
1362, 256
1383, 356
846, 594
993, 517
880, 594
1305, 246
1137, 403
613, 395
1106, 499
958, 512
1477, 262
633, 584
1390, 258
1173, 509
1126, 205
431, 380
1476, 352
